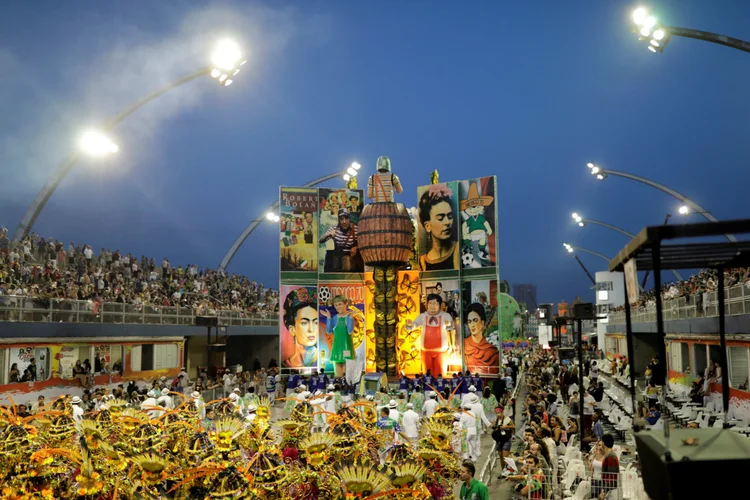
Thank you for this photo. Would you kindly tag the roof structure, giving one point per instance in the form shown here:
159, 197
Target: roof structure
727, 254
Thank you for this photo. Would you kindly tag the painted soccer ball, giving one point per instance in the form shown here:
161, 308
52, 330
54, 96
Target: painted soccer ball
467, 258
324, 294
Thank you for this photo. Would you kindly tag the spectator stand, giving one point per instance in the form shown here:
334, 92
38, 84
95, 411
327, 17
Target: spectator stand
647, 251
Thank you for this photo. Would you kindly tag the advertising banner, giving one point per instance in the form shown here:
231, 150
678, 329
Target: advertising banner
298, 325
477, 221
339, 211
341, 324
481, 332
298, 231
438, 227
631, 280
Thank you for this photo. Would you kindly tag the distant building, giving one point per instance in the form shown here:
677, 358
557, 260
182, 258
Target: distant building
525, 293
610, 294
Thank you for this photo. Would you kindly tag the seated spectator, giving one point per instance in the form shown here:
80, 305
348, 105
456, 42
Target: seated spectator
653, 416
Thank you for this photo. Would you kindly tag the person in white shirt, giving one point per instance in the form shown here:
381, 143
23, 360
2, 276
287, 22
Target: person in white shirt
482, 423
330, 405
200, 405
235, 400
465, 397
303, 393
319, 418
271, 388
429, 406
410, 423
240, 401
469, 425
76, 407
251, 409
184, 381
150, 405
165, 399
393, 412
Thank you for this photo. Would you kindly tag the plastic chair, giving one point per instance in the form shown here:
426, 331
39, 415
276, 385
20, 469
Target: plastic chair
583, 492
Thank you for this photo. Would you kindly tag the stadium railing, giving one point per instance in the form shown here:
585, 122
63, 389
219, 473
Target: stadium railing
704, 305
20, 308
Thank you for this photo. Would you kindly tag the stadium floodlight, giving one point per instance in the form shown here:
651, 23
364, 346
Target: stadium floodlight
272, 217
226, 60
95, 143
684, 210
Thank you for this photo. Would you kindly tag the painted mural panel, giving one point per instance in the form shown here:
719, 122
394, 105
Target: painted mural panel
478, 215
298, 324
438, 227
298, 229
481, 333
342, 325
339, 211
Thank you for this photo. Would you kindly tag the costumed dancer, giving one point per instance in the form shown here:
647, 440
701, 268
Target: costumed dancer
482, 422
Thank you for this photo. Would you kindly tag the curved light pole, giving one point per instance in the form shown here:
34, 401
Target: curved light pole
572, 249
271, 210
226, 62
601, 174
657, 37
582, 222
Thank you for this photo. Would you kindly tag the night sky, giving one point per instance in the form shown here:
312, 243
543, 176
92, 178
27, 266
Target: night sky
527, 91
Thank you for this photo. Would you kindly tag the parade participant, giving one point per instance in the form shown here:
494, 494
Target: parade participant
469, 424
437, 338
385, 422
200, 405
428, 380
471, 489
482, 423
165, 400
489, 401
150, 404
410, 421
339, 328
393, 410
469, 394
381, 185
403, 384
458, 441
477, 382
401, 403
429, 405
251, 415
440, 383
291, 384
76, 404
271, 388
417, 399
319, 419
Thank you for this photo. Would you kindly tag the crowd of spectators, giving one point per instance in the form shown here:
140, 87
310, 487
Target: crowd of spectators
47, 269
692, 288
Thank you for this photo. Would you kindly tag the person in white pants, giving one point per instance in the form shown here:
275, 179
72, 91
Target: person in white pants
481, 420
410, 421
469, 425
429, 406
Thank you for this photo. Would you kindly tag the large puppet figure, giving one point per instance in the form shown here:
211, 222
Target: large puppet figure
437, 337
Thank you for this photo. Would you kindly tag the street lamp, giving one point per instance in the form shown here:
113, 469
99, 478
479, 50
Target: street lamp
572, 249
602, 174
226, 60
656, 36
95, 143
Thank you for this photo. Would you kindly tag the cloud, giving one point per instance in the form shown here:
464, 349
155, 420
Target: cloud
126, 63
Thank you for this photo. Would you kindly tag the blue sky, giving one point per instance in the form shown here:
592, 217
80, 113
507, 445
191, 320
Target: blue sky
527, 91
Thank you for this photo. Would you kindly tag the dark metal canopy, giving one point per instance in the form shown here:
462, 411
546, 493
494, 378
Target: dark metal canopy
686, 255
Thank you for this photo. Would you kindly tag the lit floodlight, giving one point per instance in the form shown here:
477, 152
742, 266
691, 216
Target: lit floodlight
650, 22
228, 83
574, 215
654, 42
272, 217
347, 177
658, 34
215, 73
95, 143
580, 223
570, 250
356, 166
595, 170
351, 172
223, 77
600, 177
651, 48
639, 15
590, 165
684, 210
227, 55
645, 31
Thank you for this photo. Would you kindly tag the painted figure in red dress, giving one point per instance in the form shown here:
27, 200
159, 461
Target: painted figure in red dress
438, 335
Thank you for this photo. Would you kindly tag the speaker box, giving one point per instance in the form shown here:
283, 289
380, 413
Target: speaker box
206, 321
711, 469
584, 311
